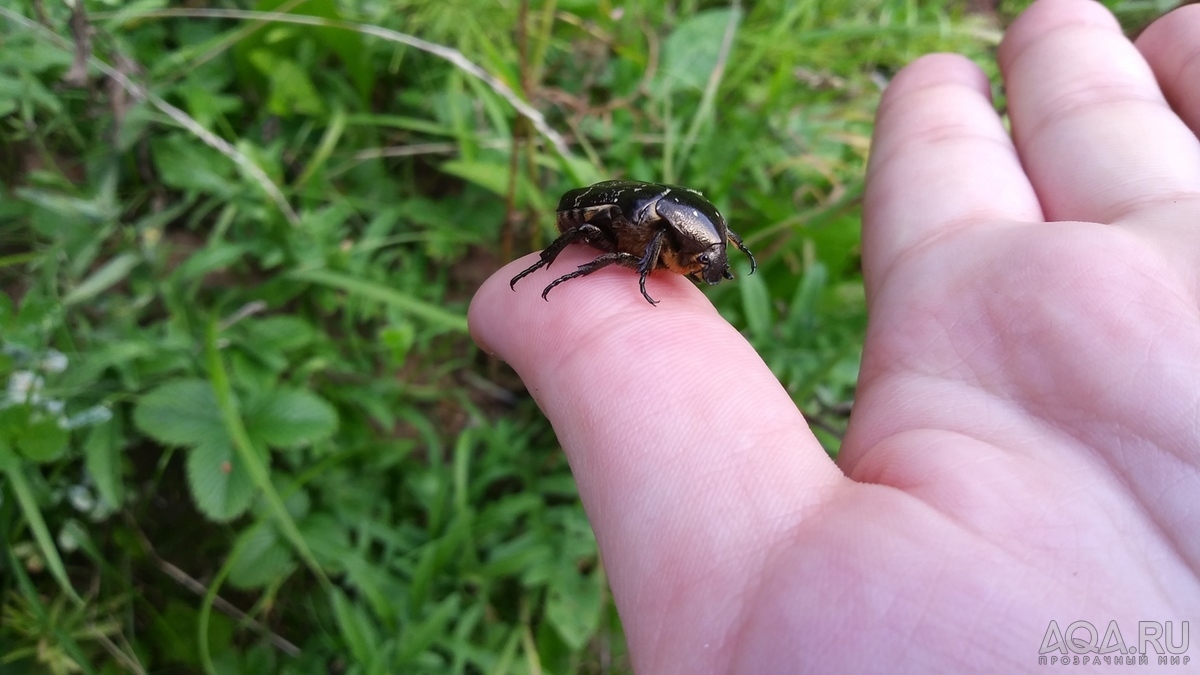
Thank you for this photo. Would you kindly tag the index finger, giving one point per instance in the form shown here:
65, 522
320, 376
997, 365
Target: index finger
688, 453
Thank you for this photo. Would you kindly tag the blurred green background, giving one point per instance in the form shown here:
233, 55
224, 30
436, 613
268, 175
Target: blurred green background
242, 426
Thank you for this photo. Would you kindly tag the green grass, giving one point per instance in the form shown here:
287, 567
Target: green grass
244, 429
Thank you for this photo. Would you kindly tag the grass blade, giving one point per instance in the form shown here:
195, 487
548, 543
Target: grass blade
37, 524
369, 289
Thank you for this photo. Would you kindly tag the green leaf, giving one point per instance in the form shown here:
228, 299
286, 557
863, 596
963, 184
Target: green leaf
358, 630
374, 585
423, 576
220, 483
368, 289
808, 292
494, 177
73, 211
261, 558
7, 311
13, 421
113, 272
573, 606
205, 102
288, 418
491, 176
292, 92
348, 45
173, 631
182, 412
422, 635
756, 303
42, 440
399, 338
280, 333
218, 256
186, 163
102, 456
329, 539
37, 524
8, 457
11, 89
690, 51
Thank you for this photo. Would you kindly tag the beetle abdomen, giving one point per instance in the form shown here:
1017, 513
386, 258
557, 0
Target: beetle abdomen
600, 216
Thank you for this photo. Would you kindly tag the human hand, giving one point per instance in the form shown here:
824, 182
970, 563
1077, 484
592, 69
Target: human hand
1026, 432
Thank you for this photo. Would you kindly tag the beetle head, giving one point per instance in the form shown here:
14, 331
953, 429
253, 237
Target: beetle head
714, 265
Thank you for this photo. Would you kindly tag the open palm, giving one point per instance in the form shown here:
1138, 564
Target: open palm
1025, 441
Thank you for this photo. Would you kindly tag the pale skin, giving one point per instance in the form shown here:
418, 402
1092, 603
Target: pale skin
1025, 440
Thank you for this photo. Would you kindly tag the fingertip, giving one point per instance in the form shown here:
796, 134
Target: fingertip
1045, 16
934, 77
937, 69
521, 324
1171, 45
482, 317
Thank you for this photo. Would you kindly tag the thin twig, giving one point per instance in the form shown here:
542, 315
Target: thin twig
824, 425
192, 584
417, 149
130, 662
82, 33
39, 8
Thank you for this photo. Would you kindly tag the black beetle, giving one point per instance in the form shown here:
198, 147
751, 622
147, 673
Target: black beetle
642, 226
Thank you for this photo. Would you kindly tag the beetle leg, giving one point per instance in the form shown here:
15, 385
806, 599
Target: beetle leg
648, 262
583, 232
624, 259
737, 241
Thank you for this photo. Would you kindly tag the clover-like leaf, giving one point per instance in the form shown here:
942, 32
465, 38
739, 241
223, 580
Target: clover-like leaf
262, 557
42, 440
288, 418
182, 412
220, 483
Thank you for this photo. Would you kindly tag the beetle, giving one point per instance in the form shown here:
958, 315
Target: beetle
645, 227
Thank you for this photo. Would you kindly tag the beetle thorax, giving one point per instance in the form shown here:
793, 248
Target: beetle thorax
696, 228
697, 237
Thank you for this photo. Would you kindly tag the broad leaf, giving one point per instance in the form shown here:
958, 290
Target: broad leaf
292, 92
13, 420
8, 458
220, 483
42, 440
186, 163
262, 557
288, 418
690, 52
183, 412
